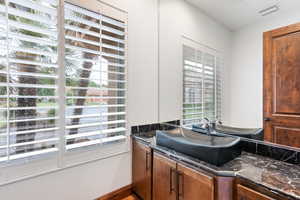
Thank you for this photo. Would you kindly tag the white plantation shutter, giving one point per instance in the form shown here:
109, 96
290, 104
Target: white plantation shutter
28, 74
43, 112
218, 87
95, 78
201, 85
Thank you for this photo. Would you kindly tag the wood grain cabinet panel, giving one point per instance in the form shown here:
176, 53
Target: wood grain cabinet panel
141, 170
193, 185
164, 178
244, 193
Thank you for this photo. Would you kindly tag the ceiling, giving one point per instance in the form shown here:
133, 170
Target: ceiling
235, 14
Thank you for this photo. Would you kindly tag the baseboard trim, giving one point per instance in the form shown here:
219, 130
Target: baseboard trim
117, 194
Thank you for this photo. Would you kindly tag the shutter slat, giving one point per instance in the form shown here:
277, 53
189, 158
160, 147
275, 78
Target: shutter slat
81, 20
31, 39
36, 6
27, 62
32, 51
81, 30
40, 18
32, 28
113, 22
80, 10
106, 37
95, 142
92, 133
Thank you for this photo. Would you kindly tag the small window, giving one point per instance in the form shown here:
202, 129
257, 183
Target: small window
201, 85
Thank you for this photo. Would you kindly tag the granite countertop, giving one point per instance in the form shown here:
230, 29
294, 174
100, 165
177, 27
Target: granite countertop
274, 175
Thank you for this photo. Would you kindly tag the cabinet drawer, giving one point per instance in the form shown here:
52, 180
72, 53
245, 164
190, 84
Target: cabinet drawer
244, 193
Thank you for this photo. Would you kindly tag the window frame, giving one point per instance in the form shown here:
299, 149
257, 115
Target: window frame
20, 169
218, 71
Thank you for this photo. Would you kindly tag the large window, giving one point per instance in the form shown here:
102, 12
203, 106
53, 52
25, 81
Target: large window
201, 84
62, 81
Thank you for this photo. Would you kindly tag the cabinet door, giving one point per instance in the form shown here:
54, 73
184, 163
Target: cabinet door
164, 178
244, 193
141, 170
193, 185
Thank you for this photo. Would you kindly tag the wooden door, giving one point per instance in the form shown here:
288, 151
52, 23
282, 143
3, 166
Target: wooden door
244, 193
282, 85
193, 185
141, 170
164, 178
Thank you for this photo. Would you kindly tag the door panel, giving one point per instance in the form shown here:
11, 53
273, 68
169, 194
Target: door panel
287, 136
286, 60
193, 185
282, 85
164, 178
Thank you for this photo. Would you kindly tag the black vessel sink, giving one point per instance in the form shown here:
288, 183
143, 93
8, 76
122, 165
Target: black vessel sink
251, 133
215, 150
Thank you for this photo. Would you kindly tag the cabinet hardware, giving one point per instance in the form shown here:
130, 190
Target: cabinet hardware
172, 170
180, 177
267, 119
147, 161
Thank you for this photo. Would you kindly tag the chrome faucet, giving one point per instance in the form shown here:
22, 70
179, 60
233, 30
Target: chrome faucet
209, 125
206, 125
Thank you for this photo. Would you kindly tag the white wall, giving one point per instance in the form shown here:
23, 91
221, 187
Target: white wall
85, 182
89, 181
143, 62
177, 19
247, 70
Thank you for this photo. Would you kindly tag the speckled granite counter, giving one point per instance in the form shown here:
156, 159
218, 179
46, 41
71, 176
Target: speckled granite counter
277, 176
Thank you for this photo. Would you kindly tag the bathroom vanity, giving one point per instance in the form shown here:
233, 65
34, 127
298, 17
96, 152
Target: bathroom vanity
162, 173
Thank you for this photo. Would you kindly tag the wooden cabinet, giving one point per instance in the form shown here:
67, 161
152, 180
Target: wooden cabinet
141, 170
193, 185
164, 178
174, 181
245, 193
157, 177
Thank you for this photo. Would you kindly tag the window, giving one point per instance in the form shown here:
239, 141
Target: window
95, 78
36, 118
201, 85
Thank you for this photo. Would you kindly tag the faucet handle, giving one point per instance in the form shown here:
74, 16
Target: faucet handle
205, 125
218, 122
205, 120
